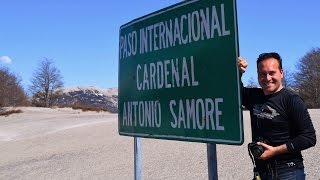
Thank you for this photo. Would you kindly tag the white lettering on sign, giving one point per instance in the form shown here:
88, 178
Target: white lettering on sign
128, 45
142, 113
166, 74
196, 114
197, 25
202, 24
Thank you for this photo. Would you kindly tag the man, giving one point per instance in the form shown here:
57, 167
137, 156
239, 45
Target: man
280, 118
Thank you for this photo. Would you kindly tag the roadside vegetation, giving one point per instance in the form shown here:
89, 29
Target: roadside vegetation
11, 90
7, 113
45, 84
88, 108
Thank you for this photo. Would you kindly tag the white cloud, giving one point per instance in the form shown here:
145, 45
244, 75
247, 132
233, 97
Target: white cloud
5, 59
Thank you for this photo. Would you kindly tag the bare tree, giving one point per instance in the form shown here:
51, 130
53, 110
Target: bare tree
288, 79
46, 82
307, 78
11, 90
252, 83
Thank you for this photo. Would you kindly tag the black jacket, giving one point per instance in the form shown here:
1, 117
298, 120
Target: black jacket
280, 118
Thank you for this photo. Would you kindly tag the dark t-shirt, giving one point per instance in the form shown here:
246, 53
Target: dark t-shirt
280, 118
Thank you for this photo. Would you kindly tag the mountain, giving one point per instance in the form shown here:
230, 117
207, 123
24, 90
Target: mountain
106, 99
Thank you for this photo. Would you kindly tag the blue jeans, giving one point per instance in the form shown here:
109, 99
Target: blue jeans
296, 174
284, 171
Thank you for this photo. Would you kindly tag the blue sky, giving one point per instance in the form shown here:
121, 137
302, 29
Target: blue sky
82, 36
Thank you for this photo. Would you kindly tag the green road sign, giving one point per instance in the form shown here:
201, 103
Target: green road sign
178, 76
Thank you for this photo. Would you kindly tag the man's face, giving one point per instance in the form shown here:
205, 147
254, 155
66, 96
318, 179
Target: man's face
270, 76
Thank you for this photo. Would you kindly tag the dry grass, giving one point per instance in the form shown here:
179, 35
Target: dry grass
7, 113
88, 108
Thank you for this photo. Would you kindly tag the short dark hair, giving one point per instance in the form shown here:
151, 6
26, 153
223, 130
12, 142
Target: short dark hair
265, 56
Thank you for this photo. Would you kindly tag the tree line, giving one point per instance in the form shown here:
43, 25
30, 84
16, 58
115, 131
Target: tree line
46, 83
11, 91
43, 91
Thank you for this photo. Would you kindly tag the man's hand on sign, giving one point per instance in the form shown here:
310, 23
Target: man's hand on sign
242, 64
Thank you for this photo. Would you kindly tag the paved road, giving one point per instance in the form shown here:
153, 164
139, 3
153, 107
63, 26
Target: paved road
66, 144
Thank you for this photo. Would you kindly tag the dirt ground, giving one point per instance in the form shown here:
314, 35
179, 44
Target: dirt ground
43, 143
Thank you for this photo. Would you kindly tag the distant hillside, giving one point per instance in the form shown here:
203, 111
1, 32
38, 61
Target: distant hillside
106, 99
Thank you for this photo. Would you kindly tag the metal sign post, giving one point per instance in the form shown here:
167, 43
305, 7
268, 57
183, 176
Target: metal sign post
212, 161
137, 159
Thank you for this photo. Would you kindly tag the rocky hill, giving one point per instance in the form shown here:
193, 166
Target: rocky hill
106, 99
